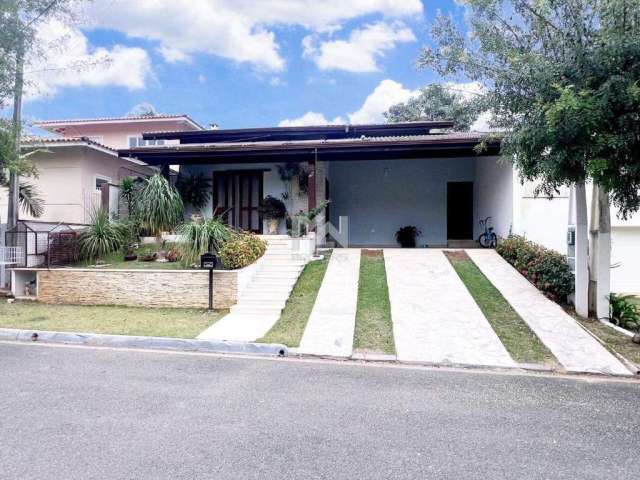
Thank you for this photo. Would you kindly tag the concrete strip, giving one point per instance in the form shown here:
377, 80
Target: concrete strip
575, 349
329, 331
435, 319
139, 342
238, 327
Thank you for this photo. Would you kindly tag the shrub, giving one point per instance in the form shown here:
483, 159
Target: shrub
242, 251
101, 237
273, 208
547, 269
202, 236
195, 190
158, 206
623, 312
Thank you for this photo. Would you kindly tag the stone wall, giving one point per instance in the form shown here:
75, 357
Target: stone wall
142, 288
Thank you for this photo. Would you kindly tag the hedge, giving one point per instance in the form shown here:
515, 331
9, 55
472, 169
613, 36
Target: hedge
242, 251
547, 269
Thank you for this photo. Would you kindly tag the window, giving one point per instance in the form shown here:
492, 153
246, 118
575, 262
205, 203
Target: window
100, 181
139, 142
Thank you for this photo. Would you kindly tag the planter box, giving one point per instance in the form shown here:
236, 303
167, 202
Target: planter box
140, 288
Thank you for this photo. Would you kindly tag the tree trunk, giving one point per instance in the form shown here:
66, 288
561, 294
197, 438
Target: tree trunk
14, 178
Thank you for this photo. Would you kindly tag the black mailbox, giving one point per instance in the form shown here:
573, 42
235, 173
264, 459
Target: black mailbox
208, 261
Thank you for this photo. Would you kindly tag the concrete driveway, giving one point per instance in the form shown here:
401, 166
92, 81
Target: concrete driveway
83, 413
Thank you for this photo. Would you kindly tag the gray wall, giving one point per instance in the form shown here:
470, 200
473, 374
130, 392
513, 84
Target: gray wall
381, 196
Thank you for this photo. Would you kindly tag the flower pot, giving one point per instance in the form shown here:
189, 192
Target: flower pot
272, 226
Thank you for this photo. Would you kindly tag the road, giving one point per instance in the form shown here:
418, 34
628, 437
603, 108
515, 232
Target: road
84, 413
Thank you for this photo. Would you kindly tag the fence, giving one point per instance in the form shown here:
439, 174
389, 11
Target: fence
44, 244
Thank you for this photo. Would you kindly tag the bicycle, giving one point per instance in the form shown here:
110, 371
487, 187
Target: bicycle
488, 239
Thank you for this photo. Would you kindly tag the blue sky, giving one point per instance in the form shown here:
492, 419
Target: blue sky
241, 63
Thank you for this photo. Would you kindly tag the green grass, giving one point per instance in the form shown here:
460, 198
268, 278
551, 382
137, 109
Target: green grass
521, 343
160, 322
289, 328
116, 260
374, 330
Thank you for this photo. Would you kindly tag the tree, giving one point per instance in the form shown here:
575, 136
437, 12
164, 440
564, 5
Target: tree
158, 206
437, 102
563, 82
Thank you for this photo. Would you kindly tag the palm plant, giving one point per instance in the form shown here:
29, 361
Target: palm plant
195, 190
101, 237
159, 207
30, 200
201, 237
128, 191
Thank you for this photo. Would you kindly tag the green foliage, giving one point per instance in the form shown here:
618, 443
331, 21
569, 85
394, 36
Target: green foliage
623, 312
31, 202
273, 208
562, 81
158, 206
195, 190
242, 251
406, 236
547, 269
437, 102
101, 237
201, 237
129, 188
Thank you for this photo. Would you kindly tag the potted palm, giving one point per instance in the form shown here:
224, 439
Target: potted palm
273, 210
406, 236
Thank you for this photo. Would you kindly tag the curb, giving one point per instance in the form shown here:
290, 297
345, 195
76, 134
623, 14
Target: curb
141, 342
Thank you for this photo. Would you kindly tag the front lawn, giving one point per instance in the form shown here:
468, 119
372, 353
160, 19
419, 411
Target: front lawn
616, 341
521, 343
289, 329
160, 322
374, 329
116, 260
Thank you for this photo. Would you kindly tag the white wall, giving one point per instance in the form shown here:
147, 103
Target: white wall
493, 194
380, 196
625, 251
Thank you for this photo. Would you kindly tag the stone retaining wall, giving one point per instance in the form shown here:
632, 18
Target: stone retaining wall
141, 288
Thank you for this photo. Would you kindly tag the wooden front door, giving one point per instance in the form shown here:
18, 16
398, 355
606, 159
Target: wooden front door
236, 197
460, 210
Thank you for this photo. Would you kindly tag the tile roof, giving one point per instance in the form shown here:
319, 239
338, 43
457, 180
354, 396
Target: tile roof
35, 140
44, 123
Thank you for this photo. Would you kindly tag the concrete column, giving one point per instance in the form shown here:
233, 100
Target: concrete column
600, 253
321, 219
582, 251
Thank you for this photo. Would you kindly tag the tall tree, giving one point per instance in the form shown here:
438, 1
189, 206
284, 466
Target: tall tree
437, 102
563, 82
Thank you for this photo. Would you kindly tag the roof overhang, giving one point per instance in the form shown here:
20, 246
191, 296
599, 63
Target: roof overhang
320, 132
55, 125
308, 151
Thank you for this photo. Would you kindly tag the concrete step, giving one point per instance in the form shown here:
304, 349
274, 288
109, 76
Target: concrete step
263, 296
268, 261
292, 275
267, 289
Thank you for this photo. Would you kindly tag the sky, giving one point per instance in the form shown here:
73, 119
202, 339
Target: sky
235, 63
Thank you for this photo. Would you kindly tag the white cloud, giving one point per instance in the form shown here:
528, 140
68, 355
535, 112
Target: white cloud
309, 119
72, 62
232, 29
386, 94
360, 52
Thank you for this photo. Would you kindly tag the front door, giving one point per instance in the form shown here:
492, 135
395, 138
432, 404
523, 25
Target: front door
236, 197
460, 210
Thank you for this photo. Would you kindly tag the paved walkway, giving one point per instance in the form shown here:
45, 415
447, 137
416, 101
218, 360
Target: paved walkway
574, 348
435, 319
332, 321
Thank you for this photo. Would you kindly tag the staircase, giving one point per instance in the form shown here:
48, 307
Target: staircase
268, 291
262, 300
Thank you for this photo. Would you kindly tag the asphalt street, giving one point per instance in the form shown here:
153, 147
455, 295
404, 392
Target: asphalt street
86, 413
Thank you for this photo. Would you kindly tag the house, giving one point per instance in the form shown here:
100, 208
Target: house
378, 178
79, 167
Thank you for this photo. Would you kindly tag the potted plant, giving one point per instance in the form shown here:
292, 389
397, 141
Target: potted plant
406, 236
273, 210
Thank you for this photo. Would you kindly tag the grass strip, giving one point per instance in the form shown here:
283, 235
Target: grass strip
289, 328
115, 320
616, 341
519, 340
374, 329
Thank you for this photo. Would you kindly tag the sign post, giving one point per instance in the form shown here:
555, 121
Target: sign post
209, 261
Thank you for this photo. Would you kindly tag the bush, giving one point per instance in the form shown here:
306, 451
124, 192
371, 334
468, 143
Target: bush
242, 251
101, 237
273, 208
623, 312
547, 269
202, 236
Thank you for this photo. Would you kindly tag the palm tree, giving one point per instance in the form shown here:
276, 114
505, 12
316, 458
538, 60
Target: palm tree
159, 207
